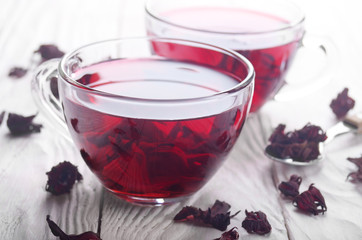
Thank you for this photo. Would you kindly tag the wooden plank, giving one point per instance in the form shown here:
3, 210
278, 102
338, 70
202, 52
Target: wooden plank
25, 160
342, 197
247, 180
24, 201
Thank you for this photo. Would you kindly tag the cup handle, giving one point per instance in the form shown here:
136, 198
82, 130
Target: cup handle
44, 88
312, 69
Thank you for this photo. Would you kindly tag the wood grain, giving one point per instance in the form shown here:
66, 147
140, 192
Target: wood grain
247, 180
24, 161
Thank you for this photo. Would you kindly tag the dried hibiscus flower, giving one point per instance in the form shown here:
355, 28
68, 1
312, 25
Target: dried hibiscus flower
342, 104
232, 234
17, 72
63, 236
49, 51
218, 216
300, 145
311, 201
291, 188
20, 125
356, 176
62, 177
256, 222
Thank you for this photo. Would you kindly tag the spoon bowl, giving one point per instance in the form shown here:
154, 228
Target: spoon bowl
293, 162
350, 124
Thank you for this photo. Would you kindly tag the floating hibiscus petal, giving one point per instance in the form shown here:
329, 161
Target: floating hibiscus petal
55, 229
218, 216
291, 188
232, 234
17, 72
342, 104
311, 201
20, 125
356, 176
88, 79
300, 145
256, 222
62, 177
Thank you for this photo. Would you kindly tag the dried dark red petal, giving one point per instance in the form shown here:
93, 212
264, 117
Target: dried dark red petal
291, 188
318, 197
188, 213
17, 72
62, 177
342, 104
20, 125
278, 135
311, 201
256, 222
58, 232
300, 145
356, 176
232, 234
218, 216
2, 116
49, 51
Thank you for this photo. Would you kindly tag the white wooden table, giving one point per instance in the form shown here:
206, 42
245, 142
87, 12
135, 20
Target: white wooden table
247, 180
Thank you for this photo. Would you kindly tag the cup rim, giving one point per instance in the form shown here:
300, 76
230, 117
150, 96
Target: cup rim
245, 82
292, 25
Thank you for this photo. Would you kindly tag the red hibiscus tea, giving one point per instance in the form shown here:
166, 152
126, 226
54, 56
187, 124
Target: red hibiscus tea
264, 32
151, 141
270, 66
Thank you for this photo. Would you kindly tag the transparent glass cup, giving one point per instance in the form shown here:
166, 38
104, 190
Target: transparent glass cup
152, 121
268, 32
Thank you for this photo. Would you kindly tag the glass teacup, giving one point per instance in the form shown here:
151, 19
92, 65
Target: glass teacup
153, 122
267, 32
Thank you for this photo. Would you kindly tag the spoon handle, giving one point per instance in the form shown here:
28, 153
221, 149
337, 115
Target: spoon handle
355, 121
352, 123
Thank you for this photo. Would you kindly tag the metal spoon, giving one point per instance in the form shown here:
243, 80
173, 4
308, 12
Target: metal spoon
351, 124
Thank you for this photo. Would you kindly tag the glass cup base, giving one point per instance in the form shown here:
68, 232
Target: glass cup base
149, 202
